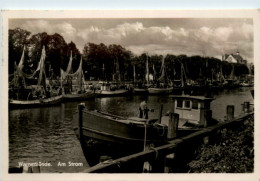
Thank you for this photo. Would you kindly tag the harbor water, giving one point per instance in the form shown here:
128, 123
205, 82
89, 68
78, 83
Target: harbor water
46, 134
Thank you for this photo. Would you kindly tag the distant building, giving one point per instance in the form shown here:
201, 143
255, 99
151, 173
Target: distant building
234, 58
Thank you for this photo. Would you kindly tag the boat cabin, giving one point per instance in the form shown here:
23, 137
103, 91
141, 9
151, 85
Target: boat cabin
192, 109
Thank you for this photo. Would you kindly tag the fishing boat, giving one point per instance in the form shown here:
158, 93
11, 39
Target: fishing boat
102, 133
73, 84
160, 90
103, 89
140, 87
162, 86
231, 81
194, 112
40, 95
35, 103
114, 88
115, 136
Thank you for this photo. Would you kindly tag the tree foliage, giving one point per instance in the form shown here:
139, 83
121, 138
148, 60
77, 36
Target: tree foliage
100, 60
233, 153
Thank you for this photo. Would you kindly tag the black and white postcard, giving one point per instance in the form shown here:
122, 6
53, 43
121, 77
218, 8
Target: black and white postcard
140, 94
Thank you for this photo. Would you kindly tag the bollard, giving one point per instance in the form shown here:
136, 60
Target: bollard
168, 161
140, 113
146, 113
230, 112
246, 107
205, 140
81, 106
173, 125
207, 117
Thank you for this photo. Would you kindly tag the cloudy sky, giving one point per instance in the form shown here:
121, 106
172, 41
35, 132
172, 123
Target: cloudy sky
206, 37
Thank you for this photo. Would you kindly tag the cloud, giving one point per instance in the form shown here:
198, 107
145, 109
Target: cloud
204, 40
38, 26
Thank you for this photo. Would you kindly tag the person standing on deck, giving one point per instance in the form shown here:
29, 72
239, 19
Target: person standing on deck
143, 109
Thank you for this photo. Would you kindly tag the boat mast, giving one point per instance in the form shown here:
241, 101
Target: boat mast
182, 80
103, 70
134, 74
147, 70
154, 73
42, 68
80, 74
117, 70
163, 72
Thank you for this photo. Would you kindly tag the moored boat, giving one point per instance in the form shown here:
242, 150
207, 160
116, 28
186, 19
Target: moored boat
137, 90
35, 103
162, 86
115, 136
41, 94
102, 133
110, 89
79, 96
194, 112
160, 90
73, 84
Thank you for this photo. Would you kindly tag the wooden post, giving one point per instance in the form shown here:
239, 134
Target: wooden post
168, 162
230, 112
81, 106
173, 125
146, 113
246, 107
207, 117
160, 113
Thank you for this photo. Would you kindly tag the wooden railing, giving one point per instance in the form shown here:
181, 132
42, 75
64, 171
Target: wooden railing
157, 157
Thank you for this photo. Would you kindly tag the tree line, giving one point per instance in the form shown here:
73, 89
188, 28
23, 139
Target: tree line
100, 60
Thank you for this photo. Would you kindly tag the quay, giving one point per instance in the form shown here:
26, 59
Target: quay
158, 159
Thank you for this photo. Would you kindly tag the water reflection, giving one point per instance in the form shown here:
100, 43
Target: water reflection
46, 134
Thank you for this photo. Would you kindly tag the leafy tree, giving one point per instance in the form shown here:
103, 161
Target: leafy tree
232, 153
17, 39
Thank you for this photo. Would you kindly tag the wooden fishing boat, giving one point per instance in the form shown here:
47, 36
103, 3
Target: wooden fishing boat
102, 133
39, 95
79, 96
137, 90
140, 87
162, 86
103, 93
158, 90
194, 112
35, 103
73, 83
110, 89
115, 136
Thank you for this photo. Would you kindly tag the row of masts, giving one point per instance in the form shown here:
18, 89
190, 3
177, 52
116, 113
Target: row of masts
79, 73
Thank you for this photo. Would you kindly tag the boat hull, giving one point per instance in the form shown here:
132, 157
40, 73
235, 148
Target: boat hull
78, 97
153, 90
108, 93
140, 90
103, 134
35, 103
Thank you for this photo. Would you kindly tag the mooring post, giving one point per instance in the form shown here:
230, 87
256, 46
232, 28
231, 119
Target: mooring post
168, 161
81, 106
246, 107
173, 125
230, 112
207, 117
160, 113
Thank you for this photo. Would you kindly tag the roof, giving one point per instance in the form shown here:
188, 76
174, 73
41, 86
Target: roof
200, 98
238, 58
